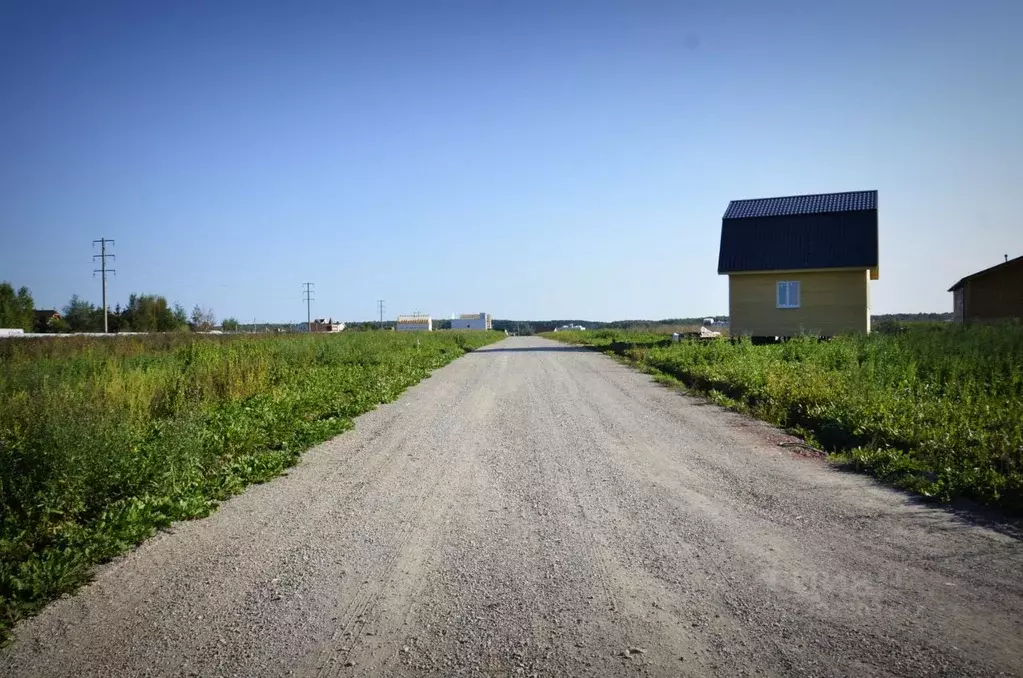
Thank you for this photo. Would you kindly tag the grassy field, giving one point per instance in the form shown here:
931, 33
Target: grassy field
102, 441
935, 409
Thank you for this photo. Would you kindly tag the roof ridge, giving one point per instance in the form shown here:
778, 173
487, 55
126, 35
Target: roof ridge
810, 203
806, 195
985, 271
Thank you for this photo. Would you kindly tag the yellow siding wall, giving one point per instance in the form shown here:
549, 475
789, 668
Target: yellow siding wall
831, 302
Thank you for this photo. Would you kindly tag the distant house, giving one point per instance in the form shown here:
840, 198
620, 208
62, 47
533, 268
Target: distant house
472, 321
800, 264
993, 294
414, 323
326, 325
43, 317
570, 328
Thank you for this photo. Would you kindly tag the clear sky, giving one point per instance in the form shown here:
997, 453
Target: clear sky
531, 159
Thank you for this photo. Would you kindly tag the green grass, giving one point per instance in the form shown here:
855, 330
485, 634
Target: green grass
937, 410
103, 441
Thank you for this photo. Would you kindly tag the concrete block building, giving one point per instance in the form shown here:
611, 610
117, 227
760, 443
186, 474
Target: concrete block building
472, 321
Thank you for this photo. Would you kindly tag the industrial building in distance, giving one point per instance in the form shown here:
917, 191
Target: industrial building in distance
472, 321
414, 323
424, 323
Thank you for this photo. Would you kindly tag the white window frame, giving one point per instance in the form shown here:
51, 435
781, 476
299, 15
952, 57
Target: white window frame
788, 286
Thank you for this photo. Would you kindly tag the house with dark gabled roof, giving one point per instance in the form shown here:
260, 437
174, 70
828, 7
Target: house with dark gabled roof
800, 264
992, 295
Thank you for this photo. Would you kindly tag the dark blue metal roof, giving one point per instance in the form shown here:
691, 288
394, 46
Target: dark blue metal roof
836, 230
822, 203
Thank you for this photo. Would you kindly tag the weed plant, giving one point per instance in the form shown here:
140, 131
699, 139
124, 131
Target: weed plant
935, 409
104, 440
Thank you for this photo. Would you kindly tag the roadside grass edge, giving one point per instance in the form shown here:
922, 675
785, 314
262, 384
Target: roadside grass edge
842, 440
232, 444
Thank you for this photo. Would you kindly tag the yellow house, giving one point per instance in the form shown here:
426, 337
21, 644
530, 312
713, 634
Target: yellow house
800, 264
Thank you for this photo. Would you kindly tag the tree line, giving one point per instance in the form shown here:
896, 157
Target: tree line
143, 313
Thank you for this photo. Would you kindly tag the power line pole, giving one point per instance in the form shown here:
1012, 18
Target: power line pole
380, 306
307, 296
102, 256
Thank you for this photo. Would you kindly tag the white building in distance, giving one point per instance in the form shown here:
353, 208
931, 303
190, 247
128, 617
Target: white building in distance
472, 321
414, 323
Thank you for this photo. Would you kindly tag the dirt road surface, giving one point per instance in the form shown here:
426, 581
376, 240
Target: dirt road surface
535, 509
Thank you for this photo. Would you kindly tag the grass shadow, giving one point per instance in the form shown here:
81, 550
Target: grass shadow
964, 510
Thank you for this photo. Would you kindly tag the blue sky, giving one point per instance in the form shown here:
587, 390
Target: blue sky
529, 159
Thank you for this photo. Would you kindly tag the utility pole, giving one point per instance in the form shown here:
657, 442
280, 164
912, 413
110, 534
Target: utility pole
103, 270
380, 307
307, 296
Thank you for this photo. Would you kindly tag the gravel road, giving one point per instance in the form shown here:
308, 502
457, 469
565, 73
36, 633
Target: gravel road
536, 509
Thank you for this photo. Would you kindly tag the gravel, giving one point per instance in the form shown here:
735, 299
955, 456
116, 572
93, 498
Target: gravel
537, 509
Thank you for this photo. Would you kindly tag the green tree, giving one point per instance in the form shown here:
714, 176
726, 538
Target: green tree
178, 319
17, 310
133, 314
117, 320
80, 315
152, 313
230, 324
57, 325
203, 319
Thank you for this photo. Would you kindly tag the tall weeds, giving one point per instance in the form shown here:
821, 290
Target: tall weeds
935, 409
103, 440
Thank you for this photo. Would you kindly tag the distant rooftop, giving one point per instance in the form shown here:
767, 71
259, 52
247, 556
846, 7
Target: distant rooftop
1008, 263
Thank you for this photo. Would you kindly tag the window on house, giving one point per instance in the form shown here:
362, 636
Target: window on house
788, 294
